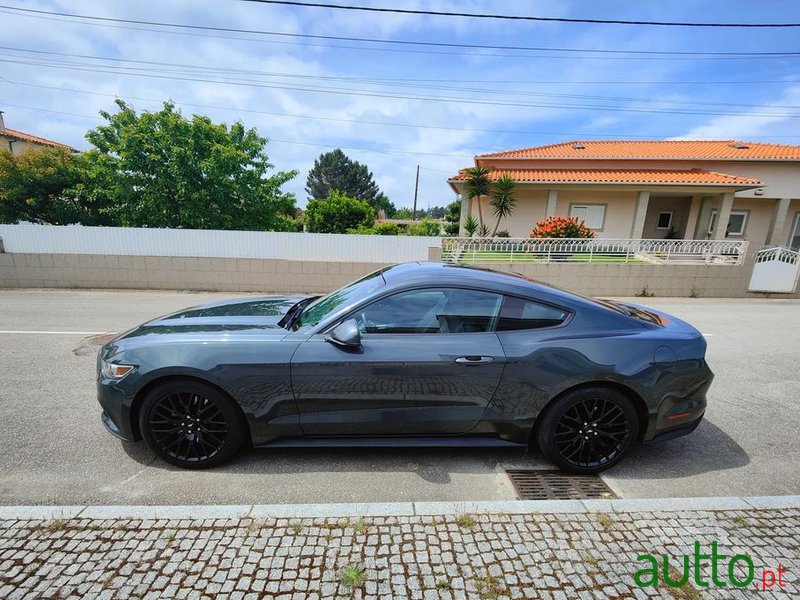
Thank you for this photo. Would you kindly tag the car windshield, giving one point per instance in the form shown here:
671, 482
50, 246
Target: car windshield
315, 312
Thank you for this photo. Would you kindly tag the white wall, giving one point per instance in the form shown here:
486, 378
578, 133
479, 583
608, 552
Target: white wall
214, 244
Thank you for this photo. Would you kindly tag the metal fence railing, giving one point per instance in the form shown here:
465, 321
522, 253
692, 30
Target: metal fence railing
778, 253
593, 250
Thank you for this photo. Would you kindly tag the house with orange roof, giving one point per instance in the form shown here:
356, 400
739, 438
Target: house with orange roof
16, 141
652, 189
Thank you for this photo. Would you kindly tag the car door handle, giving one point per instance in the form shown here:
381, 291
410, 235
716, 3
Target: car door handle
474, 360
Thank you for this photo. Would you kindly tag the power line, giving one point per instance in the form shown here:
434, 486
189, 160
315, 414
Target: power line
317, 117
603, 53
397, 96
408, 11
364, 80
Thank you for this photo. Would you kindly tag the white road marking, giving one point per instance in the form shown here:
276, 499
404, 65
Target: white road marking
15, 332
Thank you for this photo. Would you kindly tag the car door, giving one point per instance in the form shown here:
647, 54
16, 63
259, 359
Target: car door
428, 363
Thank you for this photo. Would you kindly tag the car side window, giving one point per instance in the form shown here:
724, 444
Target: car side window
518, 314
435, 310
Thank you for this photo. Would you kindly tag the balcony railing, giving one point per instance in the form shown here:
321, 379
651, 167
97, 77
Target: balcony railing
595, 250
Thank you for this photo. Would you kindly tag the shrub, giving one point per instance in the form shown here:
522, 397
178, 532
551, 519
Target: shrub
561, 227
337, 213
387, 229
425, 227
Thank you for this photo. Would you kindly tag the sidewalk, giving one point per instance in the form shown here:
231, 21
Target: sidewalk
553, 549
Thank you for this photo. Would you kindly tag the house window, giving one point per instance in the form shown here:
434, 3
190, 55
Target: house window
664, 220
737, 223
794, 236
592, 214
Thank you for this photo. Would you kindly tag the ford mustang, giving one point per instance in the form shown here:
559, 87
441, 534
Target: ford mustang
412, 354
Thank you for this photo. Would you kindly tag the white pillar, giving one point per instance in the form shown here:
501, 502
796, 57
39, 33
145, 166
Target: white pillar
724, 215
639, 214
552, 203
691, 220
778, 222
466, 208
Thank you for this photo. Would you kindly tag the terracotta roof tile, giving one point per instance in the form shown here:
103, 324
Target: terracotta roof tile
667, 149
624, 176
34, 139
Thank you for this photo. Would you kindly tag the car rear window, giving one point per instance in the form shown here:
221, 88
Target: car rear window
520, 314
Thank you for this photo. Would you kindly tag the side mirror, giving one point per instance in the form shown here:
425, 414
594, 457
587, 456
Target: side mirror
345, 334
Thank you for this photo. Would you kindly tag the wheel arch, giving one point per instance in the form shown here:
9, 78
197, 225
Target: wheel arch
638, 404
150, 385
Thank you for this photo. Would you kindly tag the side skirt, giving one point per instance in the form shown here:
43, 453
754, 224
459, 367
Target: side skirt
391, 442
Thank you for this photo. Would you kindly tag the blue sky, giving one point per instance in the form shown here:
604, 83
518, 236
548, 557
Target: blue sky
452, 103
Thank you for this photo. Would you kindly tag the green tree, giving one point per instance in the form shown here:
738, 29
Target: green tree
425, 227
48, 185
403, 213
503, 199
334, 170
338, 213
453, 218
477, 185
160, 169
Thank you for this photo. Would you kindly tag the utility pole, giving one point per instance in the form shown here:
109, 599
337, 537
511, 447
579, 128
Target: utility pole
416, 189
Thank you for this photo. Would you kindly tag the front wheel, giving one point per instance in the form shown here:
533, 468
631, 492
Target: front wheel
191, 425
588, 430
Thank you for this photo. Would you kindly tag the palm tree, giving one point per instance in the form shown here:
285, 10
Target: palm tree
503, 199
477, 184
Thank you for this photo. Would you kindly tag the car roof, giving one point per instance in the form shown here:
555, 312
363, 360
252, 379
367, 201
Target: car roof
416, 273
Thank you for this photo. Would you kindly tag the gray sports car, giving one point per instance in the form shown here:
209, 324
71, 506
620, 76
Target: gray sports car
413, 354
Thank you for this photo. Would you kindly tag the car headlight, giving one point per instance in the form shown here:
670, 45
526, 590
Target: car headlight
114, 371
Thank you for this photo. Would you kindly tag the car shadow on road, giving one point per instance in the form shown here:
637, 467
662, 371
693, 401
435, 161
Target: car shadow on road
706, 450
433, 465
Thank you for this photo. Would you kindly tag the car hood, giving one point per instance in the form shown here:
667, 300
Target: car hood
257, 316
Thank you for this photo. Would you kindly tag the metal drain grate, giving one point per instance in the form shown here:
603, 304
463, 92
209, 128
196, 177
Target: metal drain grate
557, 485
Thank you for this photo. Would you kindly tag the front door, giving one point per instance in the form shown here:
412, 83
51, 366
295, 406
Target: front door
428, 364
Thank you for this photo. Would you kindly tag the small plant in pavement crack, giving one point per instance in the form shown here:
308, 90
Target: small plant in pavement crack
353, 575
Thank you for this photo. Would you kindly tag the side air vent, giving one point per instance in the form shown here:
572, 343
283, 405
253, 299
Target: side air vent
578, 146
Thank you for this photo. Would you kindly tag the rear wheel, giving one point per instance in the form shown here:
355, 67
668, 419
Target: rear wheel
588, 430
191, 425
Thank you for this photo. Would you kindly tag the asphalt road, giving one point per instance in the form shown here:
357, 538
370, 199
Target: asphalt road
54, 450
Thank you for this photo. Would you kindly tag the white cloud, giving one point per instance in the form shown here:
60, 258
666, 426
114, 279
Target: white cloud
762, 121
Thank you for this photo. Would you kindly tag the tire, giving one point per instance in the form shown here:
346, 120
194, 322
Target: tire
191, 425
604, 442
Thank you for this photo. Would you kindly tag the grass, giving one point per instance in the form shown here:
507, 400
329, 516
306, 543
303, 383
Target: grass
360, 526
170, 537
297, 527
589, 559
739, 521
489, 588
55, 525
443, 585
466, 521
605, 521
353, 575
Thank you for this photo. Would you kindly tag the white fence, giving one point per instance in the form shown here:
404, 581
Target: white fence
593, 250
214, 243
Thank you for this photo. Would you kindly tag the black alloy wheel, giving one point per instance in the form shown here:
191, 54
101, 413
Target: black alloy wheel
588, 430
191, 425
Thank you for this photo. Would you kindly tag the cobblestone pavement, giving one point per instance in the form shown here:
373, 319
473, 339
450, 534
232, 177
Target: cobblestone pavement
587, 554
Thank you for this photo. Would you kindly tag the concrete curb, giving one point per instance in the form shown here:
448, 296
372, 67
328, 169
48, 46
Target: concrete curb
396, 509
